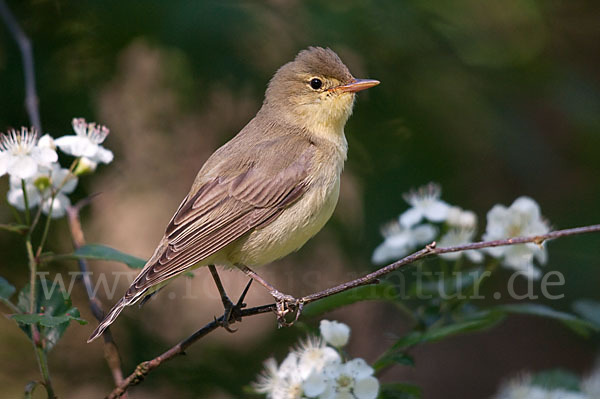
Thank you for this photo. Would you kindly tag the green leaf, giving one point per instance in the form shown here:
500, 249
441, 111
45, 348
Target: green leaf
6, 289
589, 310
485, 320
436, 334
400, 391
578, 325
48, 320
382, 291
557, 379
393, 357
102, 252
52, 312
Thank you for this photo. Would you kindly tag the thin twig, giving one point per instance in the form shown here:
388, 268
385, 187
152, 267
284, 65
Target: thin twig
111, 352
31, 98
144, 368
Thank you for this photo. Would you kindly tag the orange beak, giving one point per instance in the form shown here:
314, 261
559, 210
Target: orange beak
357, 85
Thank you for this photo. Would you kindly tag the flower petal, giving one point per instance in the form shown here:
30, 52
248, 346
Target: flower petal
77, 146
496, 252
15, 197
23, 167
436, 211
474, 256
289, 366
527, 206
541, 254
366, 388
59, 206
358, 368
103, 155
70, 185
4, 162
385, 252
410, 217
450, 255
424, 233
314, 385
44, 156
63, 177
46, 141
468, 219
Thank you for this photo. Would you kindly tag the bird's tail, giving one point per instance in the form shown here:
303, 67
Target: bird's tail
109, 318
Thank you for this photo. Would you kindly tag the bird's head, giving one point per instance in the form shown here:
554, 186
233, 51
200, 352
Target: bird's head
315, 91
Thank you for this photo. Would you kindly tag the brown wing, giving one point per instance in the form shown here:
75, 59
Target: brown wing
220, 211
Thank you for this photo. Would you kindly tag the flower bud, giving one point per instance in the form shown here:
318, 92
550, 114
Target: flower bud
85, 166
335, 333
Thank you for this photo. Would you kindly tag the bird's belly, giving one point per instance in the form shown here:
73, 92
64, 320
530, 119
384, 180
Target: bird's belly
290, 231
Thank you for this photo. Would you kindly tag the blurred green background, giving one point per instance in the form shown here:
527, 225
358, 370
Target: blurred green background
492, 99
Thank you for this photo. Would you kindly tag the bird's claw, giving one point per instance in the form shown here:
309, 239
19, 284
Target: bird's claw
286, 304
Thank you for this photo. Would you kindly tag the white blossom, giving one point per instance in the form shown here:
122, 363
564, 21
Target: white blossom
459, 236
286, 381
21, 156
458, 217
39, 189
522, 218
334, 333
353, 380
283, 382
269, 379
86, 142
591, 383
521, 388
400, 240
314, 355
315, 370
426, 203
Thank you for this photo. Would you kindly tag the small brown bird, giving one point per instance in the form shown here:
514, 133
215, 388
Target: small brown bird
268, 190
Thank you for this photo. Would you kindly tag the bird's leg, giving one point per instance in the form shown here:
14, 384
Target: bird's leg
284, 303
231, 311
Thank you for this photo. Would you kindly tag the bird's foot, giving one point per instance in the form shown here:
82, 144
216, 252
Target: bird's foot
233, 312
286, 304
230, 316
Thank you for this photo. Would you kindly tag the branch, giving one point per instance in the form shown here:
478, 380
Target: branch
31, 98
111, 352
144, 368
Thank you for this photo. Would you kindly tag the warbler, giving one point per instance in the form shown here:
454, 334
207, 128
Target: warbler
268, 190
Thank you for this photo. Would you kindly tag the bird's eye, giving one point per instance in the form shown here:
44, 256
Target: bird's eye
316, 83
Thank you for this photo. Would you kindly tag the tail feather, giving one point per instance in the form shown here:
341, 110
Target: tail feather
109, 318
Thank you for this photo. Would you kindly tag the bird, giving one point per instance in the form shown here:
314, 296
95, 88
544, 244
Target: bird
267, 191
